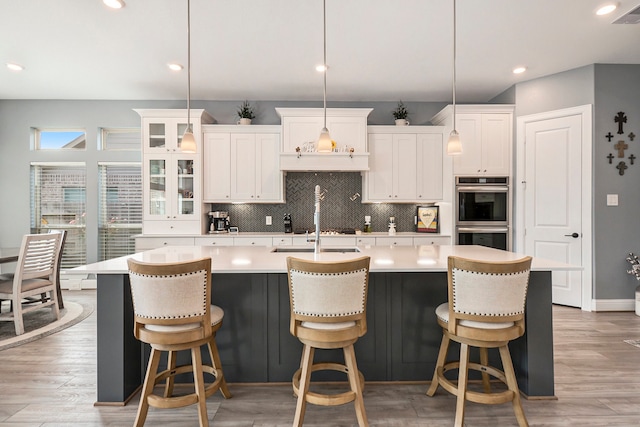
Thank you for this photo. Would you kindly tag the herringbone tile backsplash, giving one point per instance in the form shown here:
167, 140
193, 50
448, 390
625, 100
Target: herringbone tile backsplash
341, 207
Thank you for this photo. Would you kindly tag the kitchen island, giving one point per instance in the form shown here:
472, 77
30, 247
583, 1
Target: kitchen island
250, 284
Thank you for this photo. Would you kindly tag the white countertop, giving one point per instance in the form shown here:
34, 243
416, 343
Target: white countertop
244, 259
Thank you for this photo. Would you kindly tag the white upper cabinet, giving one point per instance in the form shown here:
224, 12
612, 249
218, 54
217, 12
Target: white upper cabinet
406, 164
242, 164
486, 133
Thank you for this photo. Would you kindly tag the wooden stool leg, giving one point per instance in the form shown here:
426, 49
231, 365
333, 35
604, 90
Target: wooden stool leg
217, 365
463, 375
484, 361
512, 382
442, 355
147, 388
171, 365
305, 377
198, 379
354, 381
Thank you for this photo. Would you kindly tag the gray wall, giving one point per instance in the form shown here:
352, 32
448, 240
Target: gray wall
617, 88
17, 117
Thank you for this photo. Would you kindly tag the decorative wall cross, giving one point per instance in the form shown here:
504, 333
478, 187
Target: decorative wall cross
609, 136
632, 158
620, 119
621, 167
631, 136
621, 146
610, 157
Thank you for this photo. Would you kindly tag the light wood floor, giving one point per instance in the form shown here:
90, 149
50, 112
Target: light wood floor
51, 382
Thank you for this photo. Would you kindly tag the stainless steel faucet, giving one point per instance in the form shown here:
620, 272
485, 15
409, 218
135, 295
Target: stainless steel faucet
316, 221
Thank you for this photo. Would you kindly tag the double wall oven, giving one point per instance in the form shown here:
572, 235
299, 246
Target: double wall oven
483, 212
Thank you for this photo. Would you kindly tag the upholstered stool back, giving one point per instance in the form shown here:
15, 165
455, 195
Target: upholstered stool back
328, 295
487, 293
171, 302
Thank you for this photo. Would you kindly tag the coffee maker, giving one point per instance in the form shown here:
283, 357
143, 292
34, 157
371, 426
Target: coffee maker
218, 222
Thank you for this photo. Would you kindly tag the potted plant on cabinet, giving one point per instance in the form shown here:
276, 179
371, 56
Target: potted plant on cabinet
245, 113
400, 114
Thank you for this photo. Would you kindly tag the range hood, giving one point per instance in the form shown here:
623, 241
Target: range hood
301, 129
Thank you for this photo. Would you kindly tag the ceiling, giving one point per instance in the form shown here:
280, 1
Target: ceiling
268, 49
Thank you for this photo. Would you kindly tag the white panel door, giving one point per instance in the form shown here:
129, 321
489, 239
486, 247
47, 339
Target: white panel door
553, 200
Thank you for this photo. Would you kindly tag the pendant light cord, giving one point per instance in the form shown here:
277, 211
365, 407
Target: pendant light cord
189, 65
454, 65
324, 92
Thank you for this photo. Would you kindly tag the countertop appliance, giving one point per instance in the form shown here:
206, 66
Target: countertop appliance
288, 227
218, 222
483, 212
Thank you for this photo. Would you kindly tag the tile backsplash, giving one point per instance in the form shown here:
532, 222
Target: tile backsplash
341, 207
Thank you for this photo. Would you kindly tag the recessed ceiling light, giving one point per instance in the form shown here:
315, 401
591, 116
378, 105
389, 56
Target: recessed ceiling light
519, 70
321, 68
14, 67
114, 4
175, 66
606, 9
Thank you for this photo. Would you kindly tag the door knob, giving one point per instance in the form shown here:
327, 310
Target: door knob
574, 235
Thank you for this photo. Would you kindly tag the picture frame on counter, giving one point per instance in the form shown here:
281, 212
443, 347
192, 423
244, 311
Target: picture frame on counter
428, 219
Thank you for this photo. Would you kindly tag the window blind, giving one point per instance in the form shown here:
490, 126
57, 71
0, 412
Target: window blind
120, 208
120, 139
58, 202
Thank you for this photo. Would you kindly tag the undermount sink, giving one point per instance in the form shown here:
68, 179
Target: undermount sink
310, 249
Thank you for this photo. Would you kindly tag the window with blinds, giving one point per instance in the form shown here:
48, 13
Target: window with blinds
120, 208
58, 202
120, 139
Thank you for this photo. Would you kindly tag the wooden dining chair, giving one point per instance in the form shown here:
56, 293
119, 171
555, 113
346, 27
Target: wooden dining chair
36, 274
328, 311
485, 310
173, 312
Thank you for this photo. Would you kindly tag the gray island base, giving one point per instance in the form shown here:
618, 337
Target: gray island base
250, 284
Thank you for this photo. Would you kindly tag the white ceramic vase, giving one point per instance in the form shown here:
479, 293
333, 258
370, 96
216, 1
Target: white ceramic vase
402, 122
244, 121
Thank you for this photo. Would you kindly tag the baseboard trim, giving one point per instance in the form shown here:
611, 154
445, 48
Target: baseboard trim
613, 305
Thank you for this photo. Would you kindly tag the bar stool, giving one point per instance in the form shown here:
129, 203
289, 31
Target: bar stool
328, 311
173, 312
485, 310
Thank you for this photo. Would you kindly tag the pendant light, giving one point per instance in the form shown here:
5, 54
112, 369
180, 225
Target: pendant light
454, 146
324, 142
188, 144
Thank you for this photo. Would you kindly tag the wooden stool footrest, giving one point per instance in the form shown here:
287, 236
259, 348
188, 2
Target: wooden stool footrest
188, 399
323, 399
474, 396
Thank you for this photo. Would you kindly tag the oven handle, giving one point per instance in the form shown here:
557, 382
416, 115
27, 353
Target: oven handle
483, 189
482, 230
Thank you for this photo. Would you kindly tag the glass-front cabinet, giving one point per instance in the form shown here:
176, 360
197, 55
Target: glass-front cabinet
172, 179
172, 188
163, 135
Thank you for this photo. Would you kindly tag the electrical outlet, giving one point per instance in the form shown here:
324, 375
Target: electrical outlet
268, 220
